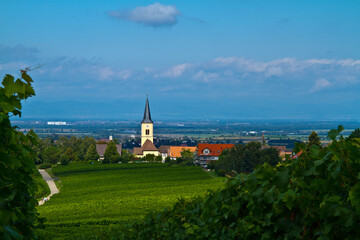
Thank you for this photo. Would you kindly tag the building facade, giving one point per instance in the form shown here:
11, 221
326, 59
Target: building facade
147, 135
210, 152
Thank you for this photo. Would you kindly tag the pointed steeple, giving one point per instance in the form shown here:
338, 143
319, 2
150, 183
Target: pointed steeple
147, 115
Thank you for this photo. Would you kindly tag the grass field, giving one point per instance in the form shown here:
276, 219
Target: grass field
95, 196
43, 189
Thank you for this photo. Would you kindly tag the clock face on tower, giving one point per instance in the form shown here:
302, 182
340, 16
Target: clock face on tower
147, 125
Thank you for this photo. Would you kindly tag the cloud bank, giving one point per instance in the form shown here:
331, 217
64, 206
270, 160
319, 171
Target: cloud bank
154, 15
228, 76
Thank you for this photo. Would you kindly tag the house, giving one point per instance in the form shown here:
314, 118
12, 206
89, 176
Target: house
100, 148
164, 150
210, 152
173, 151
147, 148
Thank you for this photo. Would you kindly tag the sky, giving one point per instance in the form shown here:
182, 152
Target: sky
196, 60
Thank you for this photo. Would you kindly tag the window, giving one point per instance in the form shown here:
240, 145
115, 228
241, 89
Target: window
147, 132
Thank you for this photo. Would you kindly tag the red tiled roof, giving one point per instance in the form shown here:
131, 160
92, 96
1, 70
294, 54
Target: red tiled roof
175, 151
215, 149
297, 155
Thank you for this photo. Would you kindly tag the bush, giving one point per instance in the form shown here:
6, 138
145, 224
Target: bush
316, 196
158, 158
45, 165
167, 159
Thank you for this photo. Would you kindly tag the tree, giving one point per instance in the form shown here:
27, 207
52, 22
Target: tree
244, 158
84, 145
355, 134
270, 155
314, 140
92, 154
70, 154
64, 159
51, 154
126, 156
111, 154
17, 187
187, 157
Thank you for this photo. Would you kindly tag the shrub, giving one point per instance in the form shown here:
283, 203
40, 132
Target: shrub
158, 158
45, 165
167, 159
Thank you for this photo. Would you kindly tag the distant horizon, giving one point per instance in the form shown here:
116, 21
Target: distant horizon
239, 120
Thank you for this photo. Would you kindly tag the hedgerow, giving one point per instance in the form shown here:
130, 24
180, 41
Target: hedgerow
316, 196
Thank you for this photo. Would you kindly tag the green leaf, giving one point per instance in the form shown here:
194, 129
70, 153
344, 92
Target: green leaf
335, 132
281, 179
186, 225
26, 77
354, 196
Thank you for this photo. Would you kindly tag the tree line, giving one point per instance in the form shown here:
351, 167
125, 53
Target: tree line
75, 149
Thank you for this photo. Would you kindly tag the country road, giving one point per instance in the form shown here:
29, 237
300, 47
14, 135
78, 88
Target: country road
50, 182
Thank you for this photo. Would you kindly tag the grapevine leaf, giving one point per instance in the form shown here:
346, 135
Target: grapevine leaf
335, 132
354, 196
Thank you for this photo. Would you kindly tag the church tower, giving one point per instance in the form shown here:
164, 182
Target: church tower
147, 125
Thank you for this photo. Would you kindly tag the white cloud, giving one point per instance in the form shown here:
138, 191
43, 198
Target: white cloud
205, 77
154, 15
320, 84
174, 71
105, 73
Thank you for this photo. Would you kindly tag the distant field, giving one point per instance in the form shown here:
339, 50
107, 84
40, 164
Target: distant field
95, 196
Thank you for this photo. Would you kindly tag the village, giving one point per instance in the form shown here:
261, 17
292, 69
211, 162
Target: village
203, 154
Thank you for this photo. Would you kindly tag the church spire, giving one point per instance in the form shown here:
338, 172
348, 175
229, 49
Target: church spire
147, 115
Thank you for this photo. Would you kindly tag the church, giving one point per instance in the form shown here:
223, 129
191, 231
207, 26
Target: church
147, 135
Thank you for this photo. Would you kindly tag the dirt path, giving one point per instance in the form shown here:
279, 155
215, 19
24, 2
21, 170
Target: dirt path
50, 182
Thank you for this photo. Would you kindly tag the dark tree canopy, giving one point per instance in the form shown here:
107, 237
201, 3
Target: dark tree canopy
314, 140
52, 154
355, 133
244, 158
91, 154
111, 154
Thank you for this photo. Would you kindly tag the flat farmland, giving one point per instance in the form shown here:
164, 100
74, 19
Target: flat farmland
93, 197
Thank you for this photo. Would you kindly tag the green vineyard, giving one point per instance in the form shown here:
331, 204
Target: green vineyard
95, 197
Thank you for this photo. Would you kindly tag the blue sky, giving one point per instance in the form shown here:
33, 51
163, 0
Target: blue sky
196, 59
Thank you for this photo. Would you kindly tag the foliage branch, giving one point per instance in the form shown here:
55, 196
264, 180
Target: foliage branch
17, 187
